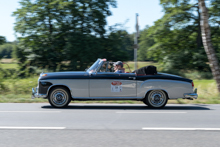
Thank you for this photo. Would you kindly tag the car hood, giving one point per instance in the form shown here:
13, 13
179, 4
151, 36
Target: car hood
63, 75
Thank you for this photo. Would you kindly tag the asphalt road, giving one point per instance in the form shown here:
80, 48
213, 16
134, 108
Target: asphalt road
86, 125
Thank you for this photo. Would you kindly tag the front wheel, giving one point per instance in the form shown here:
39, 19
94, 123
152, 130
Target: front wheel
156, 99
59, 97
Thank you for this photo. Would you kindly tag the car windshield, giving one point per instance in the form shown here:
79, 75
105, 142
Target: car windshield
95, 65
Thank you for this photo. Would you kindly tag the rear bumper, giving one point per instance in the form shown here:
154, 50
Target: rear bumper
35, 94
193, 95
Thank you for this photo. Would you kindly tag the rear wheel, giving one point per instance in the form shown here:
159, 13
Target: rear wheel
59, 97
156, 99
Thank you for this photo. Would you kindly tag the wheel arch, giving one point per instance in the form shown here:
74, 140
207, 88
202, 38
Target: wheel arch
156, 89
59, 85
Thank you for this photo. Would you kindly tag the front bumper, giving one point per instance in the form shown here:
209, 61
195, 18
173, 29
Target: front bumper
191, 96
35, 94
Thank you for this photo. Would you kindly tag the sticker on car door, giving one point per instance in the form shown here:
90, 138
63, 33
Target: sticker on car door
116, 86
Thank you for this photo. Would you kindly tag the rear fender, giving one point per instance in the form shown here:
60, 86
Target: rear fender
174, 89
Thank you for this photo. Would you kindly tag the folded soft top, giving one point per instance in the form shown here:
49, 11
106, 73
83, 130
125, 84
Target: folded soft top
147, 70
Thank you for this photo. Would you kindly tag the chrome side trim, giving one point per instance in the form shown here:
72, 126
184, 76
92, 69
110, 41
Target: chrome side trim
107, 98
59, 85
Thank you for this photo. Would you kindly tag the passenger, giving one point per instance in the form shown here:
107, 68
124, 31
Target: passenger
118, 67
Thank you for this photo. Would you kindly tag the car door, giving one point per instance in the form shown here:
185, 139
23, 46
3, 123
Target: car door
108, 84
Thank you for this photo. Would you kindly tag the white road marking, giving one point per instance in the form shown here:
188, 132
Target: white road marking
147, 112
183, 129
34, 128
29, 111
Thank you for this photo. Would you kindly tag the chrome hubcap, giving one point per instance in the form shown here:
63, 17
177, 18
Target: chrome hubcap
59, 97
157, 98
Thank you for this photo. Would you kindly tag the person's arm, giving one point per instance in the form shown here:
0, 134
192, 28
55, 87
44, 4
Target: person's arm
118, 71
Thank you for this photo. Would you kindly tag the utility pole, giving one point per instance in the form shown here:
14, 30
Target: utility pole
136, 36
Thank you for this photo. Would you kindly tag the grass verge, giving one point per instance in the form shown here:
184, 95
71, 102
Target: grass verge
19, 91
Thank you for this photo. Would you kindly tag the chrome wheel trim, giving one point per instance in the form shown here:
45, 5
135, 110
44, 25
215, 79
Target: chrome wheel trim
157, 98
59, 97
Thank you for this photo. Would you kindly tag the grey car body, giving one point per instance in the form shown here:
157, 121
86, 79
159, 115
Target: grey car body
94, 84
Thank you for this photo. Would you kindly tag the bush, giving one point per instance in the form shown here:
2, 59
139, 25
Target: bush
199, 75
172, 71
189, 74
6, 50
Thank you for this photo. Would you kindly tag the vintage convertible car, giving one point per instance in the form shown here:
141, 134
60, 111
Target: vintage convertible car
99, 82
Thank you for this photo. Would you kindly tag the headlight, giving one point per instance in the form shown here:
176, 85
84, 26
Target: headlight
43, 75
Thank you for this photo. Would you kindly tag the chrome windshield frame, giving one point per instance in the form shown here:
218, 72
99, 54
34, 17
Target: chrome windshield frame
95, 66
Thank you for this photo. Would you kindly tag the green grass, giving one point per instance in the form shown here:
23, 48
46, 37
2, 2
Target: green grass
9, 65
20, 98
207, 91
19, 91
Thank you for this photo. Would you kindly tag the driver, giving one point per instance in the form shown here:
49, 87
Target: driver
118, 67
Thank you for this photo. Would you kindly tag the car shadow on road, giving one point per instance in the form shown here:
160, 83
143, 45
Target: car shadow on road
128, 107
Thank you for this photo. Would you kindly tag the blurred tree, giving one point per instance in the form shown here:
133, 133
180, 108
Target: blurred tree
115, 46
55, 31
146, 41
2, 40
6, 50
214, 22
119, 46
177, 36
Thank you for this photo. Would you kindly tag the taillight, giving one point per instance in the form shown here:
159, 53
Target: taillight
192, 84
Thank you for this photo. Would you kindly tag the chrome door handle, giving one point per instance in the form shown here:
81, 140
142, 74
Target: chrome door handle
132, 78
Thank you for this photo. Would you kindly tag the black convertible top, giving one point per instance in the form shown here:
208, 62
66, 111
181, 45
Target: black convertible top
147, 70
